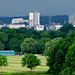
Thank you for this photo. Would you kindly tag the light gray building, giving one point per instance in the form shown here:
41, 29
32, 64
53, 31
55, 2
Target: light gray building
72, 19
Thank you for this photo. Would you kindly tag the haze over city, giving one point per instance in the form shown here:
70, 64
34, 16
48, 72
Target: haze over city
45, 7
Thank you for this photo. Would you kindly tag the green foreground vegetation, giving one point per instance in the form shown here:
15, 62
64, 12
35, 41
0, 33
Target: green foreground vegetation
15, 66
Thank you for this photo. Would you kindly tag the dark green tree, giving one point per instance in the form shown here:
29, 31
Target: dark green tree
1, 45
29, 45
11, 33
45, 34
14, 44
57, 54
3, 61
20, 36
21, 30
50, 45
66, 28
30, 61
41, 44
69, 64
3, 37
4, 29
55, 58
51, 34
70, 56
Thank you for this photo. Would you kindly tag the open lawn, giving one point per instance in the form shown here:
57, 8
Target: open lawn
15, 66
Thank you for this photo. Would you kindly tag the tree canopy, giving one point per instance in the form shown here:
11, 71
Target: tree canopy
70, 56
3, 37
66, 28
41, 44
30, 61
29, 45
14, 44
50, 44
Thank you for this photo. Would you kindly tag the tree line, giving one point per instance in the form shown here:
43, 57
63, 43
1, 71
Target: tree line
11, 39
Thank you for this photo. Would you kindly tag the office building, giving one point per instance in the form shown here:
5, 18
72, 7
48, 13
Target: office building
17, 20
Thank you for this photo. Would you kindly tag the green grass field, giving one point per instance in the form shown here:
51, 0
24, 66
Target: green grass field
15, 66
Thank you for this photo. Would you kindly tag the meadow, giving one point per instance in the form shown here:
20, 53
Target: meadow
15, 66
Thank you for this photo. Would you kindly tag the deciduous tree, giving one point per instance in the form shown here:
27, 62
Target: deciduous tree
29, 45
30, 61
50, 45
41, 44
3, 37
14, 44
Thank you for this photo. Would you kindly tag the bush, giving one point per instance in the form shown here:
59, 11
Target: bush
66, 71
8, 74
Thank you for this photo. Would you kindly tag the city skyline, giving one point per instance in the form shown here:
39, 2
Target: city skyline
45, 7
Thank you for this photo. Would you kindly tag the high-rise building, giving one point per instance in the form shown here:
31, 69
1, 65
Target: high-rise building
34, 19
31, 20
72, 19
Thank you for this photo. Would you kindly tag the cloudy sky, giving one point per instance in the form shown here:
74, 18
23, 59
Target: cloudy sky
45, 7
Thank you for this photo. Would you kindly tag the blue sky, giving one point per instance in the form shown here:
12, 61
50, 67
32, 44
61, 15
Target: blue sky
45, 7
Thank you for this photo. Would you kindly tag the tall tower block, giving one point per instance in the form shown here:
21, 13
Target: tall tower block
31, 20
34, 19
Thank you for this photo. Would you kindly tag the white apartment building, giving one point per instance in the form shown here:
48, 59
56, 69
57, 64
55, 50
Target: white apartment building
17, 23
34, 19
